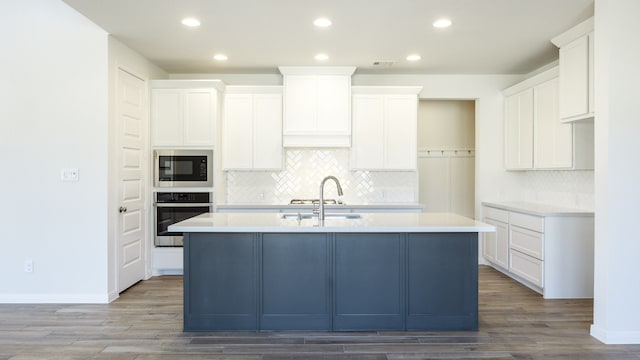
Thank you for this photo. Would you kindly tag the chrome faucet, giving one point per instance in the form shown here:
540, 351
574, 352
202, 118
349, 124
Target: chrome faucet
321, 209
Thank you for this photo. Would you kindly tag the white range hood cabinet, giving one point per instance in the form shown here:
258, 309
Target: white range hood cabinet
317, 106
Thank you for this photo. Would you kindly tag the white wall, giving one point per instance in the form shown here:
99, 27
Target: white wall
122, 57
617, 75
53, 115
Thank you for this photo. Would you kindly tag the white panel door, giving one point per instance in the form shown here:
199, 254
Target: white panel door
267, 131
401, 132
367, 150
199, 117
131, 169
237, 132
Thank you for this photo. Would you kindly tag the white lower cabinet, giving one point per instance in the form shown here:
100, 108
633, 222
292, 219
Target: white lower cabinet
549, 249
496, 245
527, 267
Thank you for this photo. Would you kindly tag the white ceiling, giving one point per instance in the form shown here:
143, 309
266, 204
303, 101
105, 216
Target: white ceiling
487, 36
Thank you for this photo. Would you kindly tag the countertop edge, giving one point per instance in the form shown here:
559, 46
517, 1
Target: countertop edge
370, 223
538, 209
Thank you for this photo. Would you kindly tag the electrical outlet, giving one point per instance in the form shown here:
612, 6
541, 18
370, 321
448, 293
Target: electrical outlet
28, 266
71, 174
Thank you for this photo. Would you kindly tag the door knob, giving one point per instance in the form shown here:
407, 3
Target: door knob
122, 209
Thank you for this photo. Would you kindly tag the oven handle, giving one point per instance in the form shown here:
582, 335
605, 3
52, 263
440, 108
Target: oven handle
181, 204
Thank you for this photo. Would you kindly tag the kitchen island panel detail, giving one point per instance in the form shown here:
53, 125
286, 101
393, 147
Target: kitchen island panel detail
220, 282
295, 284
369, 282
330, 281
442, 281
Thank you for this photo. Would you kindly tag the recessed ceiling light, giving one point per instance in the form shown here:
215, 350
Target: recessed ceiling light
220, 57
442, 23
322, 22
322, 57
413, 57
191, 22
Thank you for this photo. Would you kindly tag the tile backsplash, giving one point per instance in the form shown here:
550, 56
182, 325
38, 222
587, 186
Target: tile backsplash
303, 171
574, 189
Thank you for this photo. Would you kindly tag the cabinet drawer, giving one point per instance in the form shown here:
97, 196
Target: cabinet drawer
530, 222
495, 214
527, 241
527, 267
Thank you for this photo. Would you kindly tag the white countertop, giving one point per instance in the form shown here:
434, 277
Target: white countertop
380, 222
538, 209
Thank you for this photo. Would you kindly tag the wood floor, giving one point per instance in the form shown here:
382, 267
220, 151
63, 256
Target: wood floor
146, 323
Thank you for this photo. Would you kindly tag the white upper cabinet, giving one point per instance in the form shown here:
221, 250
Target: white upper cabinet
317, 106
252, 128
184, 112
553, 141
576, 72
385, 122
518, 127
534, 136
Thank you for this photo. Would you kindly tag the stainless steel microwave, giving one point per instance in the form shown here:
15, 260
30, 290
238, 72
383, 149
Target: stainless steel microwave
183, 168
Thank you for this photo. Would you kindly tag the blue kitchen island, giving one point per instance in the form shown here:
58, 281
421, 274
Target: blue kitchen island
263, 272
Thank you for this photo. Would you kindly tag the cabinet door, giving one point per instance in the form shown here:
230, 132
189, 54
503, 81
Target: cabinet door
574, 78
166, 117
401, 122
237, 131
300, 111
267, 131
367, 149
489, 243
502, 244
496, 245
333, 104
295, 285
519, 131
443, 281
199, 117
220, 282
369, 284
553, 140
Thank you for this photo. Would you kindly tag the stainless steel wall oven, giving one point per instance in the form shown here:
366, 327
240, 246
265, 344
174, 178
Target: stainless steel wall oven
173, 207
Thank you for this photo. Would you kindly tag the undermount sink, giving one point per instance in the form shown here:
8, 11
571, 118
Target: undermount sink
302, 216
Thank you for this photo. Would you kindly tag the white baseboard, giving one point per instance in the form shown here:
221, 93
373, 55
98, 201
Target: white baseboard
161, 272
615, 337
55, 298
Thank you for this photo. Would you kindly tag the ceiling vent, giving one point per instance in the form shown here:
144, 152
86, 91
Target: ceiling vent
383, 63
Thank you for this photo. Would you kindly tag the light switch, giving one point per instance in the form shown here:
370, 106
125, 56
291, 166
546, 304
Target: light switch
70, 174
